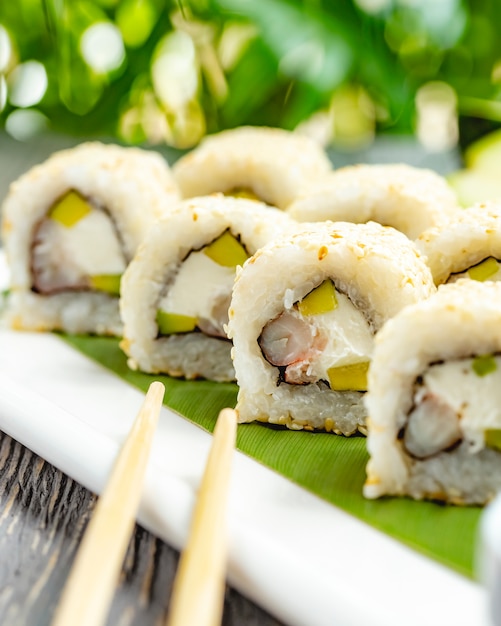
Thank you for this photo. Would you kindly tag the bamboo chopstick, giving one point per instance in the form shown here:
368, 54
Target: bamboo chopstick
91, 584
198, 592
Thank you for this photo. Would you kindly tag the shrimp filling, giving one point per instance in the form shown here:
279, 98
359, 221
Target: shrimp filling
324, 337
455, 401
199, 296
76, 247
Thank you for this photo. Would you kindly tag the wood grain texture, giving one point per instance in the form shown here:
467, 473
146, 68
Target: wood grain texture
42, 517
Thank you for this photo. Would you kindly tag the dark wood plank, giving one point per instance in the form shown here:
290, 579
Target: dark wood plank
43, 514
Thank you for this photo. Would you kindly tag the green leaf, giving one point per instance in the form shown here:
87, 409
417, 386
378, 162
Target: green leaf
301, 101
136, 19
313, 47
250, 85
331, 466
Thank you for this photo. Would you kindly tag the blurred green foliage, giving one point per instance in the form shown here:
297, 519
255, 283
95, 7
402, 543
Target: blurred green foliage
161, 71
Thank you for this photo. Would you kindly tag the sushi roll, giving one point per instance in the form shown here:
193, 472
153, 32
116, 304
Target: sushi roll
70, 227
468, 246
434, 400
177, 289
268, 164
408, 198
303, 317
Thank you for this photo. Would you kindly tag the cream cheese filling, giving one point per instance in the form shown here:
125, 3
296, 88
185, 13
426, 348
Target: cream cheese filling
200, 289
349, 338
66, 257
322, 337
93, 245
474, 397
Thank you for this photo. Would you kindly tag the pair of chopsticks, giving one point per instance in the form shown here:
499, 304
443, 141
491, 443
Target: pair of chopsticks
201, 572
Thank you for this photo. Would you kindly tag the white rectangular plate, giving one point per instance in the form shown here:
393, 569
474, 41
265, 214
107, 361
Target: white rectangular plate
305, 561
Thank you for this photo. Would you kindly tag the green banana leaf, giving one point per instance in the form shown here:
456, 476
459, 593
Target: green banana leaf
328, 465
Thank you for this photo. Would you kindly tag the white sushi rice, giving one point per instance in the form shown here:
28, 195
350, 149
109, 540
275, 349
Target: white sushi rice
135, 186
463, 241
192, 225
461, 321
272, 163
378, 268
408, 198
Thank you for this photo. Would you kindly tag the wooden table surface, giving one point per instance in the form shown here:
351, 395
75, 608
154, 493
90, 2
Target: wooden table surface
43, 512
42, 516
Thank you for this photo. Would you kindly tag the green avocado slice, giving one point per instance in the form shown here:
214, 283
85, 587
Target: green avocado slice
110, 283
70, 209
352, 377
321, 300
226, 250
172, 323
493, 438
242, 192
484, 270
484, 364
